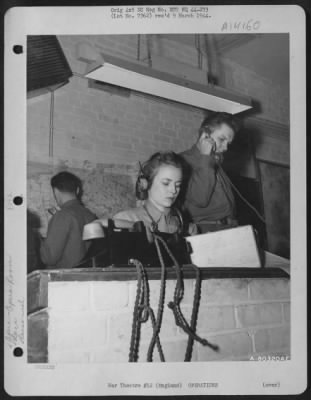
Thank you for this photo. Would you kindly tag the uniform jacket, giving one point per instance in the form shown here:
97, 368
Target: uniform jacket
207, 197
63, 246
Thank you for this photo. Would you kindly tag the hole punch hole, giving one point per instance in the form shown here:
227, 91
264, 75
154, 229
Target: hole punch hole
18, 352
18, 200
18, 49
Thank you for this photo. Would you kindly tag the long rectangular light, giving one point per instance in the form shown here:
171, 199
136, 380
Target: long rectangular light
145, 79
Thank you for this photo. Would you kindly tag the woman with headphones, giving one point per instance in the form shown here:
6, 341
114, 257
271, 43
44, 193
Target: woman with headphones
158, 185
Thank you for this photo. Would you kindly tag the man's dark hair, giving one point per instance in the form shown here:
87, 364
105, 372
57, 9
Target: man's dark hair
215, 119
67, 182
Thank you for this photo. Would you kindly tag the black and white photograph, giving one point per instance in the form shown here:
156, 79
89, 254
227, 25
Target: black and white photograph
157, 178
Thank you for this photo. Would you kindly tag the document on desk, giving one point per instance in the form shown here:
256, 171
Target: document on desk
232, 248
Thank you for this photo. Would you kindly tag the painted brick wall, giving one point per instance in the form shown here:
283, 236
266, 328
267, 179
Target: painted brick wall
102, 134
93, 126
107, 189
91, 321
99, 126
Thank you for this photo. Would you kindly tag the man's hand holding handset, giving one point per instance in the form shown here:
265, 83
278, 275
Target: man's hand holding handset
208, 147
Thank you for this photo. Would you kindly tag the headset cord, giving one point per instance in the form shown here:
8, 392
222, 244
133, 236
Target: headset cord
154, 224
142, 311
138, 307
175, 305
194, 314
158, 322
228, 181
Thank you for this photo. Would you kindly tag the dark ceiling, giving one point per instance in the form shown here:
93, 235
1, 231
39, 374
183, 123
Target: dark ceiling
265, 54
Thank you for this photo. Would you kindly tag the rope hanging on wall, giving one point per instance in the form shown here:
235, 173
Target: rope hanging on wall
149, 44
174, 305
210, 60
51, 133
197, 40
142, 312
142, 309
138, 48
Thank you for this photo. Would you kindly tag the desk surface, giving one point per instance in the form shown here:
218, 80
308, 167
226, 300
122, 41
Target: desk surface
123, 273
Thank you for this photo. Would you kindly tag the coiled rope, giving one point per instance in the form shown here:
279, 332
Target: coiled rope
174, 305
194, 314
142, 309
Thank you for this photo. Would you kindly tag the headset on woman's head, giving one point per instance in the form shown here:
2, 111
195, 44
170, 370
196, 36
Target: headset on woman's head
142, 184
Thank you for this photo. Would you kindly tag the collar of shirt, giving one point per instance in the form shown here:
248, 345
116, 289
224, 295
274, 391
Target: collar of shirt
162, 218
196, 152
69, 203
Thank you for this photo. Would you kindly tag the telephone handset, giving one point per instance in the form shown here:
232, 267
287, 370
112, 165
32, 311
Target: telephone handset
217, 156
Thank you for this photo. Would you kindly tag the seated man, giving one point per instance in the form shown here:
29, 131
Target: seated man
63, 246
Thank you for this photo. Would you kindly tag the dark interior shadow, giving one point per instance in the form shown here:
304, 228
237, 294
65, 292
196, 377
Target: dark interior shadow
241, 166
33, 242
255, 110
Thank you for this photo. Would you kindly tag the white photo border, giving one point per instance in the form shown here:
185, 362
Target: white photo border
239, 378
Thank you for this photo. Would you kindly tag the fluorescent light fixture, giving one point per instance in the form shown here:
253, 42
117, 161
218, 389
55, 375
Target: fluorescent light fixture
145, 79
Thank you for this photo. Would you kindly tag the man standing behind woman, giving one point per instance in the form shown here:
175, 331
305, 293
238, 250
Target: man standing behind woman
208, 197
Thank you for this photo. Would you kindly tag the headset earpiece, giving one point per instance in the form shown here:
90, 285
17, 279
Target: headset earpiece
142, 185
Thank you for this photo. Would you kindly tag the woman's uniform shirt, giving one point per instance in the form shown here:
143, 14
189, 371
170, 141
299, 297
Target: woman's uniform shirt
167, 221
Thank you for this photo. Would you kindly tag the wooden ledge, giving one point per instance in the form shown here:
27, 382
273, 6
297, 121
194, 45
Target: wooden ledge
127, 273
38, 281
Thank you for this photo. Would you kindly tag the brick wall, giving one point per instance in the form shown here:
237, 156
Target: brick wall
103, 133
95, 127
101, 126
91, 321
107, 189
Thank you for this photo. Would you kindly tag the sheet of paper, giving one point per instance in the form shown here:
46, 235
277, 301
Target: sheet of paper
228, 248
